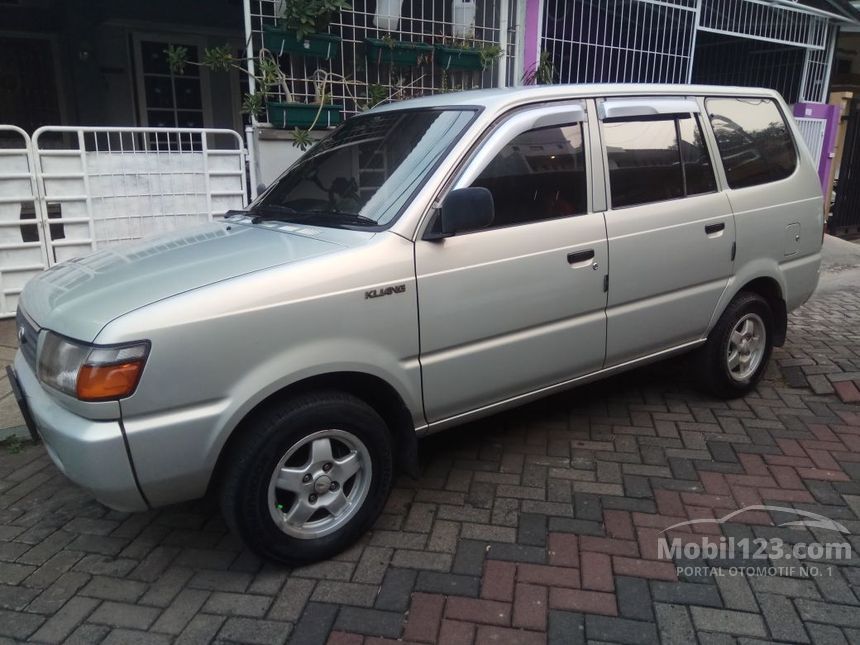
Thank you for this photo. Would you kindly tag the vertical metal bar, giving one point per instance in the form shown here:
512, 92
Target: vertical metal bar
503, 45
252, 163
828, 65
691, 59
83, 156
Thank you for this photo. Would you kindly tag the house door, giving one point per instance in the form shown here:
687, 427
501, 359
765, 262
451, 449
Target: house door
29, 94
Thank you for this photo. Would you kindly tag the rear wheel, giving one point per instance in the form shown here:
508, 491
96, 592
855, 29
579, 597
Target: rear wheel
736, 354
309, 477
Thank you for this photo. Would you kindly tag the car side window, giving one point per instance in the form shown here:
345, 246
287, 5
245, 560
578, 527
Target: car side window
538, 175
754, 142
653, 159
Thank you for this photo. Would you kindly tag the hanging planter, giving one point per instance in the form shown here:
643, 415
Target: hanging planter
466, 58
303, 115
398, 52
281, 40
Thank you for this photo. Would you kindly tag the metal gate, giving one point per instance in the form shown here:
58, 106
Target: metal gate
22, 246
846, 210
86, 188
812, 130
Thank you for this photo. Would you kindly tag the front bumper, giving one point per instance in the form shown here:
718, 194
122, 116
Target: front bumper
91, 453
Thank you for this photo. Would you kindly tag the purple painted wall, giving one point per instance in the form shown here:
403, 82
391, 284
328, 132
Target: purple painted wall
832, 114
532, 29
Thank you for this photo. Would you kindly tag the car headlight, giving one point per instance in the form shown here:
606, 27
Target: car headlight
91, 372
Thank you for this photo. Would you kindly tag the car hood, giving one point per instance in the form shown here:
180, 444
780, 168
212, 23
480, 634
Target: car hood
79, 297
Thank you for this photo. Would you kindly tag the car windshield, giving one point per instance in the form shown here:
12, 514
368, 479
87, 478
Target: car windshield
365, 171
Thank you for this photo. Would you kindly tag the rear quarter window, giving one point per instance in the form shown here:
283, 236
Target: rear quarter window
754, 141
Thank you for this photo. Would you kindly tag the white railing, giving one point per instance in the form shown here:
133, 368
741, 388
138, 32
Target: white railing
812, 130
69, 191
22, 249
112, 185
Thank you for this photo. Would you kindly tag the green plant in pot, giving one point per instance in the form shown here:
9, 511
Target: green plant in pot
465, 55
271, 83
396, 52
303, 29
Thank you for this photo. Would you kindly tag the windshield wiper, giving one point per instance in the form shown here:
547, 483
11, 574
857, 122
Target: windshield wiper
273, 211
343, 217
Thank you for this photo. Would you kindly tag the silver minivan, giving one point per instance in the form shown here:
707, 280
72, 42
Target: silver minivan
427, 263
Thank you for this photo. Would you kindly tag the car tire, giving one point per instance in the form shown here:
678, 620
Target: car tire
308, 477
736, 354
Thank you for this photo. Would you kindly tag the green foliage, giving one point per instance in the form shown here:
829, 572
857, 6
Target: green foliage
302, 139
543, 72
14, 444
308, 17
254, 104
268, 73
376, 94
177, 58
488, 54
219, 59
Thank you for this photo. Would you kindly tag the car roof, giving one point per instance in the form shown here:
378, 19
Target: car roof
499, 99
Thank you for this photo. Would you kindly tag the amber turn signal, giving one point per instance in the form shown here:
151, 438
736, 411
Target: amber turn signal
104, 382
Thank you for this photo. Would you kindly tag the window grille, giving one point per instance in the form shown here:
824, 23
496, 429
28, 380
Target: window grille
428, 21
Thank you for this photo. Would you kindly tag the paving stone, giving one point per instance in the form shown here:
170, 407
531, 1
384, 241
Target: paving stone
828, 613
255, 631
448, 584
236, 604
396, 590
566, 628
730, 622
59, 626
118, 614
675, 626
371, 622
181, 611
314, 625
634, 598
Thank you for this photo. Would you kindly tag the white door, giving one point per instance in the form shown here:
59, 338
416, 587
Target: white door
519, 305
671, 233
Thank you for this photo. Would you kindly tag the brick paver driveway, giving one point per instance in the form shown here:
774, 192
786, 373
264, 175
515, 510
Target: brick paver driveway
537, 524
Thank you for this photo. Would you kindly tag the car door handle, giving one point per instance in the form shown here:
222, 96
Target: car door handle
710, 229
580, 256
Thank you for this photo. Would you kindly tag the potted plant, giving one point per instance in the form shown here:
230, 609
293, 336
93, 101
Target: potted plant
465, 55
303, 29
396, 52
306, 116
271, 82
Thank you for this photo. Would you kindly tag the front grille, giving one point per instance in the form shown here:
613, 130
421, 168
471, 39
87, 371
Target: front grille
28, 337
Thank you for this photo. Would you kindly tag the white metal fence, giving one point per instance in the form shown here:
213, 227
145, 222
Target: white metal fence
359, 79
72, 190
727, 42
23, 253
812, 130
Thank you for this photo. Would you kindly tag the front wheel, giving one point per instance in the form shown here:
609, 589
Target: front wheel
308, 478
732, 361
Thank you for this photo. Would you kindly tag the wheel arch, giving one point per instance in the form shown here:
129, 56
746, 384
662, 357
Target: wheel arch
373, 390
769, 289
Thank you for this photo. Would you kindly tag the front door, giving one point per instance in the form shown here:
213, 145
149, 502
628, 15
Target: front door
519, 305
671, 233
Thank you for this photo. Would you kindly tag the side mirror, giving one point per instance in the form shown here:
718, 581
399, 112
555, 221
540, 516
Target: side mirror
466, 209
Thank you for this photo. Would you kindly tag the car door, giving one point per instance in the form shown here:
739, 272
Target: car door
519, 305
671, 233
